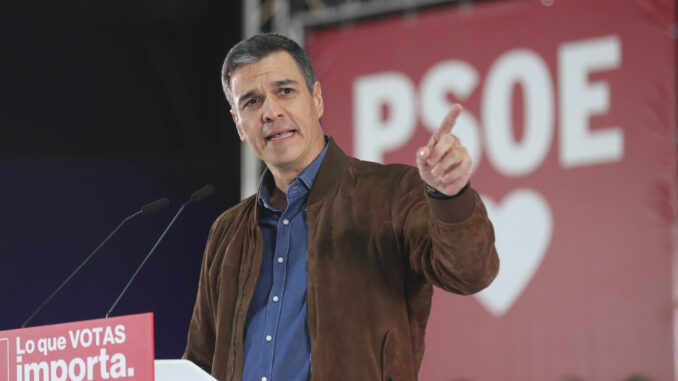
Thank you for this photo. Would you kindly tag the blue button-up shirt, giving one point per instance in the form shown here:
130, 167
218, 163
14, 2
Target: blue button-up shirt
277, 343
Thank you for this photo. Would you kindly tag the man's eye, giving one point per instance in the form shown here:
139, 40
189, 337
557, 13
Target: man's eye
249, 103
287, 90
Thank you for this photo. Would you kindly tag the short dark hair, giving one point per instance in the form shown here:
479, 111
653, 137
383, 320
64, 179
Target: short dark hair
258, 47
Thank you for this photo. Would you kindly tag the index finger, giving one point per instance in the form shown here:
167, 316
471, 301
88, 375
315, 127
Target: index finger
449, 121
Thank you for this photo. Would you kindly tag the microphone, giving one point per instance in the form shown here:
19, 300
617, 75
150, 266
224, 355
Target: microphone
196, 196
146, 209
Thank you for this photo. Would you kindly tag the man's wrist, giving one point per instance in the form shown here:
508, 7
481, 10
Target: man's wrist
455, 208
434, 193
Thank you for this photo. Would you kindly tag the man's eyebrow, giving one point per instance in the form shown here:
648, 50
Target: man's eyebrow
280, 83
283, 82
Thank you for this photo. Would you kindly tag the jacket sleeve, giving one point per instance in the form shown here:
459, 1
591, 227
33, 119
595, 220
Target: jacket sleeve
201, 331
450, 243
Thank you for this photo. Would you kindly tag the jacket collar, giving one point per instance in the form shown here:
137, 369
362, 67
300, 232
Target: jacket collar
330, 173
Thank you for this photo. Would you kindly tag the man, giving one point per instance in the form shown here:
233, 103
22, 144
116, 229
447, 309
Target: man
327, 273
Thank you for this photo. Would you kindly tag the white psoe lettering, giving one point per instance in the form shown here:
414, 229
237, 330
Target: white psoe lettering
578, 101
578, 145
395, 92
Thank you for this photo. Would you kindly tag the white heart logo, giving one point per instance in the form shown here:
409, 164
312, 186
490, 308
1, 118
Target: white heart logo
523, 226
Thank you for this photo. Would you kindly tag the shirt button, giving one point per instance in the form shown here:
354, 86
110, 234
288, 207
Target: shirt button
280, 259
286, 221
275, 298
269, 338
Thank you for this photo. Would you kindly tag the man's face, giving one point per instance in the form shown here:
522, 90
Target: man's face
276, 114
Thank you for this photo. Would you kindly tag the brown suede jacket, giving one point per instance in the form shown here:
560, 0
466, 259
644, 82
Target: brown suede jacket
376, 245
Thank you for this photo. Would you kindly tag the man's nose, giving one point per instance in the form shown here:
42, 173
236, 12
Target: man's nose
272, 109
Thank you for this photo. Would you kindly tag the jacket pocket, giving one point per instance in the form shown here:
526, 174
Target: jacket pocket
393, 362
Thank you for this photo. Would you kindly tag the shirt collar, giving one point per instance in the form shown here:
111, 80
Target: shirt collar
306, 177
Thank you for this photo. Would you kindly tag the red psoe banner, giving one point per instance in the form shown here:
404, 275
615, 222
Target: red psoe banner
570, 118
118, 348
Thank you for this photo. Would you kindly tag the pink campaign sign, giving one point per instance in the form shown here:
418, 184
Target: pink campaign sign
570, 119
118, 348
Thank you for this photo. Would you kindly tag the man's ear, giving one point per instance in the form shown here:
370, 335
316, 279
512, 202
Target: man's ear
318, 99
236, 120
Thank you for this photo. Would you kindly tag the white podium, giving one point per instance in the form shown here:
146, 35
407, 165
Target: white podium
180, 370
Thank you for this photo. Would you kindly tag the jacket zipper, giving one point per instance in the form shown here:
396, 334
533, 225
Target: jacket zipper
242, 296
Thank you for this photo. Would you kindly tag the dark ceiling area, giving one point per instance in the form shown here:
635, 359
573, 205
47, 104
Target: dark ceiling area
115, 78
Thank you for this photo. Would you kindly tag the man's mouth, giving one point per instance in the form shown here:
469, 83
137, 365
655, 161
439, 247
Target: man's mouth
280, 135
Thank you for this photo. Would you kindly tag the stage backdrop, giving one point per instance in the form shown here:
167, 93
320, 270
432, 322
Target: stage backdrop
570, 115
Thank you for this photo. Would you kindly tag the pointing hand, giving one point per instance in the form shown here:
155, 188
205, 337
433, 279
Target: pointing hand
444, 164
